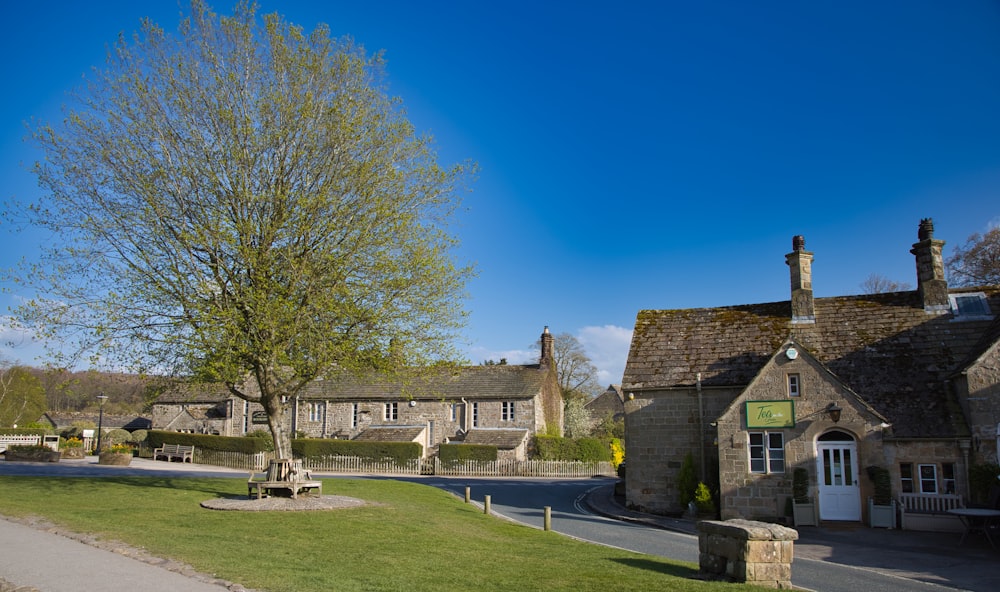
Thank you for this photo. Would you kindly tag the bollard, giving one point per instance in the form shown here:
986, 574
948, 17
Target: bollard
548, 517
486, 504
468, 491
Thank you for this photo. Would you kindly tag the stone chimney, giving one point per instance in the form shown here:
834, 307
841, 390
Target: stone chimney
548, 348
931, 285
800, 263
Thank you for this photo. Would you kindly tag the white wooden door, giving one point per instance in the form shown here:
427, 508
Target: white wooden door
839, 493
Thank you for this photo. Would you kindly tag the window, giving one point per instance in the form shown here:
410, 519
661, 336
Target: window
354, 415
970, 306
315, 411
948, 477
906, 477
793, 385
767, 452
507, 411
391, 412
454, 412
928, 478
475, 415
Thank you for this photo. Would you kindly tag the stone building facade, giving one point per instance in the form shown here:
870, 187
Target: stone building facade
444, 404
908, 381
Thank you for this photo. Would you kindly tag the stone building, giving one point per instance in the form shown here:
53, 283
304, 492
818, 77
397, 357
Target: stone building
908, 381
610, 403
497, 404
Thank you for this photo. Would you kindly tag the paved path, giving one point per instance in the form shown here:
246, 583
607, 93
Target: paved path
53, 563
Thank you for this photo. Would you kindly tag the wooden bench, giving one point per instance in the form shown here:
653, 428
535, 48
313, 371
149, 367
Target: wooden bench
284, 475
926, 511
172, 451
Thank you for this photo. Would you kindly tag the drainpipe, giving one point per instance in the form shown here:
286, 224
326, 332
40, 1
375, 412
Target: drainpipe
701, 425
465, 416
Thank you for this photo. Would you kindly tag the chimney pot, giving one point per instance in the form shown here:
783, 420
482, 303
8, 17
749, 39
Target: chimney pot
800, 265
931, 285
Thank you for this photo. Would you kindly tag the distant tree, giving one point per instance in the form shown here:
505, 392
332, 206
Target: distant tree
243, 203
22, 398
577, 374
977, 262
879, 284
577, 422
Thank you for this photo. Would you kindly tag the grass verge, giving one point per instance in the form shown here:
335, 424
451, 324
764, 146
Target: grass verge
416, 538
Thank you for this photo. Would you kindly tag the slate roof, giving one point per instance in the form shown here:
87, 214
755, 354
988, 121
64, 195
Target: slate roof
448, 383
196, 393
883, 346
610, 401
502, 438
109, 421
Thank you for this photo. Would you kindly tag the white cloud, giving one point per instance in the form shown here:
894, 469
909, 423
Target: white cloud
607, 347
18, 345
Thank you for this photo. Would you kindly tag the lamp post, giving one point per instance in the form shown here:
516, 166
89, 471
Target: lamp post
100, 420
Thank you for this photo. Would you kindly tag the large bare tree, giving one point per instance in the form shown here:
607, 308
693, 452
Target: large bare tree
977, 262
243, 202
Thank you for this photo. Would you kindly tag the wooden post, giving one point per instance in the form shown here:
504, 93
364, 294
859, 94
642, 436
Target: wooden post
486, 504
548, 518
468, 491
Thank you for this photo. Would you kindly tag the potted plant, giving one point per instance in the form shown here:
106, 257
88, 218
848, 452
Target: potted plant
116, 454
71, 448
31, 453
881, 506
803, 508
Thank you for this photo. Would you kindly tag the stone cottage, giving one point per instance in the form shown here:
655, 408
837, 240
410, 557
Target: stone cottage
908, 381
493, 404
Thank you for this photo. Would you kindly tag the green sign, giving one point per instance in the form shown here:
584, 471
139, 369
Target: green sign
771, 414
258, 417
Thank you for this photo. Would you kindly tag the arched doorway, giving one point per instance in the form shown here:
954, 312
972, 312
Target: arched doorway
837, 469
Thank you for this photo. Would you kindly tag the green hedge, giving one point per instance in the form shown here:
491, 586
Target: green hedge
572, 449
157, 438
463, 452
397, 451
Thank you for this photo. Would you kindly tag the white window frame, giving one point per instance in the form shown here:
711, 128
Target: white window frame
454, 412
794, 382
315, 412
507, 411
773, 458
979, 297
354, 415
931, 479
390, 411
475, 414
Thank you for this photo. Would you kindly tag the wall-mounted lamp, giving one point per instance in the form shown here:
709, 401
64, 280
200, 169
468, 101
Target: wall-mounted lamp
631, 396
833, 410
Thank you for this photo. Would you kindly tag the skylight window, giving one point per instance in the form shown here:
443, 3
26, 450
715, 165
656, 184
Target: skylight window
970, 306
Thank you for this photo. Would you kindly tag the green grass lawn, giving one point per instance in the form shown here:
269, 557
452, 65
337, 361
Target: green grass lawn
416, 537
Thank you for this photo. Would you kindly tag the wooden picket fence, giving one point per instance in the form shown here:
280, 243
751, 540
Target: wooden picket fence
355, 465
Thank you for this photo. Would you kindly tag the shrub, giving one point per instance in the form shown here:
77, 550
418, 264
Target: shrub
703, 499
982, 477
463, 452
800, 485
687, 481
71, 443
617, 452
157, 438
883, 485
120, 448
116, 436
569, 449
400, 452
138, 436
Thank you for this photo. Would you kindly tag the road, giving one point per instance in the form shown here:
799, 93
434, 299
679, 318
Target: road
524, 500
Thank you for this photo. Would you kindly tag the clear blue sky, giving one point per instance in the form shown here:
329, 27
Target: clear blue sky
635, 155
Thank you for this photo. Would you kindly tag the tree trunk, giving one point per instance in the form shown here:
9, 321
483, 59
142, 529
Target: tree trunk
276, 422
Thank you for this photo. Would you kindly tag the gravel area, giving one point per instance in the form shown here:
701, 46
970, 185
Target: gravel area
272, 503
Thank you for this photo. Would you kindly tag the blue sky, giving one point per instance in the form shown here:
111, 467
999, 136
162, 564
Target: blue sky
633, 155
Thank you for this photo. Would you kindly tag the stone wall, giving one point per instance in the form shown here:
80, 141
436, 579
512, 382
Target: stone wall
662, 427
746, 551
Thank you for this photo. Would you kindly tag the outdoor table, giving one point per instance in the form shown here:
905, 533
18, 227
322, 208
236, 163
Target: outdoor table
977, 520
